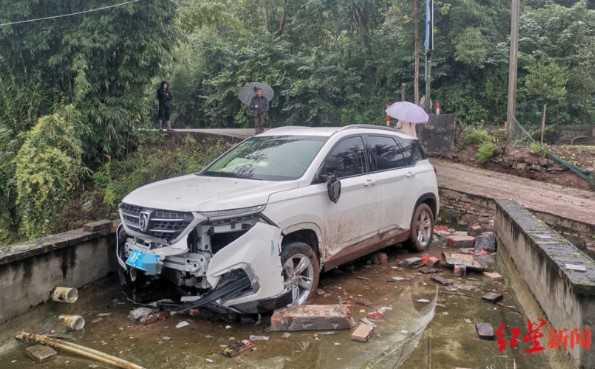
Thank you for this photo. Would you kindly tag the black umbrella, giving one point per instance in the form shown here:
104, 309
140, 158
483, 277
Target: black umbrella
248, 91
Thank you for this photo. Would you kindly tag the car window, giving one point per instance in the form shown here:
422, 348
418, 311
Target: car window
346, 159
385, 153
411, 150
273, 158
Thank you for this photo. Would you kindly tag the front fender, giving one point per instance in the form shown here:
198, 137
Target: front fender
258, 253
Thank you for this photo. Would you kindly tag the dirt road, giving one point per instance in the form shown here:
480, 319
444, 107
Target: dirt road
571, 203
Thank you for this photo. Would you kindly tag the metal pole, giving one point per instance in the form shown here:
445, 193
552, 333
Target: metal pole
416, 53
543, 123
512, 67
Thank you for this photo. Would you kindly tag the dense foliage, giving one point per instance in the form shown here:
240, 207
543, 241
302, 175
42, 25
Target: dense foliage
334, 62
87, 81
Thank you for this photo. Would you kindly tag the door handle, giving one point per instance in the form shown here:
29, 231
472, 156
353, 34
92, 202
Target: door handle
368, 182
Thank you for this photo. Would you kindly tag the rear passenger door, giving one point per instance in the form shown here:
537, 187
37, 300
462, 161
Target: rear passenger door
391, 173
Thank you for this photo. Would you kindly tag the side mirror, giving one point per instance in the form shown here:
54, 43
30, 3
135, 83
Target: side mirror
333, 187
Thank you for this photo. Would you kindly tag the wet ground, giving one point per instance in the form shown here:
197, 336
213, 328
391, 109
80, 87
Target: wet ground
448, 341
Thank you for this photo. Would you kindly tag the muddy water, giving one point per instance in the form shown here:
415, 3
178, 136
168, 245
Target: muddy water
449, 341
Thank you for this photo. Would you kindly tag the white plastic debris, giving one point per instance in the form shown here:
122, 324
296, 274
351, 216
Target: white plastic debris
259, 338
182, 324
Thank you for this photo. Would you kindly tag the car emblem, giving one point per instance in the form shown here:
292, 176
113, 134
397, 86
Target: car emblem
144, 220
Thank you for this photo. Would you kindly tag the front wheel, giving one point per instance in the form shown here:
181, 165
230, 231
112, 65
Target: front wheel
422, 228
301, 270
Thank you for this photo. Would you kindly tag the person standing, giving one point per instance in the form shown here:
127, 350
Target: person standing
259, 107
407, 128
164, 97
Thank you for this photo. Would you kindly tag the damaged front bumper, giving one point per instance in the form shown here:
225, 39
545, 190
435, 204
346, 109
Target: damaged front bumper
243, 275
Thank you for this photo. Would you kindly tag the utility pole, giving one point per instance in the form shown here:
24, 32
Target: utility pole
512, 67
416, 55
429, 46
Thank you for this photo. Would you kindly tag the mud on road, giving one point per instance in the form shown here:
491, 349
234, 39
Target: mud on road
448, 341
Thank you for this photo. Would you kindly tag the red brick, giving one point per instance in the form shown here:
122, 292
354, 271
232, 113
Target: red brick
460, 241
362, 333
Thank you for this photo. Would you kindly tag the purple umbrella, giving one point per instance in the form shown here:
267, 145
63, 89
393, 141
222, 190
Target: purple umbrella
407, 112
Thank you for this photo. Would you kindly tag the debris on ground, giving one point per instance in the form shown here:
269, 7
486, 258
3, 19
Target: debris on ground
380, 258
376, 315
40, 353
411, 262
493, 275
312, 317
397, 279
441, 280
65, 294
442, 230
492, 297
77, 349
154, 317
475, 230
362, 301
429, 270
140, 312
320, 292
73, 322
451, 259
259, 338
485, 241
459, 240
460, 270
235, 348
485, 331
362, 332
423, 301
182, 324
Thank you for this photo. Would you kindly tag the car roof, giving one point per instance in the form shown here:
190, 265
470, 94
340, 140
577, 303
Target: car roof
329, 131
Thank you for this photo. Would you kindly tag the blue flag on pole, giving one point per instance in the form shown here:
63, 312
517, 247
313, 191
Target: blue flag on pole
429, 25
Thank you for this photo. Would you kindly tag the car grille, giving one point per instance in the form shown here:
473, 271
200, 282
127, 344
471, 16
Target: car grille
164, 224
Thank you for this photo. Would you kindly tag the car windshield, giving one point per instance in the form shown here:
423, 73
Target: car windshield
275, 158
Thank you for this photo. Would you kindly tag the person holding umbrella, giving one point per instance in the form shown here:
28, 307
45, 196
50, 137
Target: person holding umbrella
408, 115
259, 107
257, 96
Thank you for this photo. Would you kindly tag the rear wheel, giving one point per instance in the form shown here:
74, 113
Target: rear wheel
301, 270
422, 228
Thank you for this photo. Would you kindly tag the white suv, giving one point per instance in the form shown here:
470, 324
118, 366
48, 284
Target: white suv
253, 230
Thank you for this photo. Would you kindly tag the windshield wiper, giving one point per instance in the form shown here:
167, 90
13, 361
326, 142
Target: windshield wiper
223, 174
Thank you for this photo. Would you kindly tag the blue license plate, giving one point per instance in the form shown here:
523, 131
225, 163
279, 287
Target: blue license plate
149, 263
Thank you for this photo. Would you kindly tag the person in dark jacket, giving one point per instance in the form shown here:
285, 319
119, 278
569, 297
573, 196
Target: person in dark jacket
259, 107
164, 97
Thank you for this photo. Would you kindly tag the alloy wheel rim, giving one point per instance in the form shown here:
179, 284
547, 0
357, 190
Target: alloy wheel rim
424, 228
298, 274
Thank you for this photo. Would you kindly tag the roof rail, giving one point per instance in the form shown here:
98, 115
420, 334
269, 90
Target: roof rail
369, 126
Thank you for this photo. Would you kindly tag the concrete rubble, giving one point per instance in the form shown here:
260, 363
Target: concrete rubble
362, 332
40, 353
485, 331
312, 317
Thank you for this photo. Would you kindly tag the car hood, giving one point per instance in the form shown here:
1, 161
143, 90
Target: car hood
204, 193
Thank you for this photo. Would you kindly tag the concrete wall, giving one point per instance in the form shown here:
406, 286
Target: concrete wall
480, 209
29, 271
534, 258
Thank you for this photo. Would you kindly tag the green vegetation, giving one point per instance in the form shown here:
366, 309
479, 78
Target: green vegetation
330, 62
154, 160
476, 136
538, 149
485, 151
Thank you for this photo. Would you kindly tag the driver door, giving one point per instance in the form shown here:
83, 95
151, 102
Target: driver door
354, 218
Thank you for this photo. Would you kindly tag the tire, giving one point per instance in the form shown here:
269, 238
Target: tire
422, 228
292, 257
